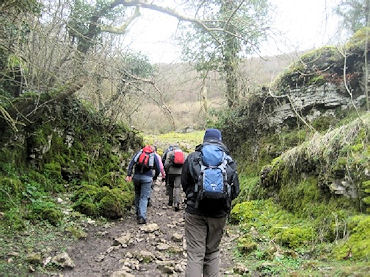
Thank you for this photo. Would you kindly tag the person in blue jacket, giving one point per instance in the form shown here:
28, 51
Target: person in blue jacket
140, 171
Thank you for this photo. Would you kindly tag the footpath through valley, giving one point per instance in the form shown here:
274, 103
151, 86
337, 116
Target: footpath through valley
158, 248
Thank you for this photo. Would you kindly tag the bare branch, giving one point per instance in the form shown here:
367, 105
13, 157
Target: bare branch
123, 28
293, 108
349, 91
233, 13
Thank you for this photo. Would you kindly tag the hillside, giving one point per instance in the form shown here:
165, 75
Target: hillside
303, 152
181, 86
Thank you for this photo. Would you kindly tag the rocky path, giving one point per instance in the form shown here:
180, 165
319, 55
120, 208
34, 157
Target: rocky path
124, 248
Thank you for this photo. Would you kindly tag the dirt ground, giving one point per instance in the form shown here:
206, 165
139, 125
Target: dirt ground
143, 253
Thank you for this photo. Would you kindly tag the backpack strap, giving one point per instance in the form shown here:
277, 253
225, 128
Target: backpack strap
151, 160
137, 156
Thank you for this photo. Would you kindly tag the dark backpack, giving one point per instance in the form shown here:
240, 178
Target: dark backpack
164, 157
178, 158
144, 159
212, 182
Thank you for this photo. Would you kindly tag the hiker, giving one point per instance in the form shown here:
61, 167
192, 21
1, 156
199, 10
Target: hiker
164, 156
210, 181
174, 161
143, 163
161, 169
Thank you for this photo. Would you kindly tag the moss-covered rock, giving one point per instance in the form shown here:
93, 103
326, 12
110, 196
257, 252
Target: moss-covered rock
320, 168
325, 65
102, 201
357, 245
246, 245
45, 210
115, 203
66, 145
294, 236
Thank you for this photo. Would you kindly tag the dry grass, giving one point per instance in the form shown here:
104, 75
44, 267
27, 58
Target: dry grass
327, 146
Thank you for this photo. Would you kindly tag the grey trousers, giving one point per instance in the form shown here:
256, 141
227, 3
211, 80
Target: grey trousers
203, 236
174, 189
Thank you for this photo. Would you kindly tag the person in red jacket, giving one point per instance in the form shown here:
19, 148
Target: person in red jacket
142, 165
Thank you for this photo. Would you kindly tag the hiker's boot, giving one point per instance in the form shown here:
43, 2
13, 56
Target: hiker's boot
170, 203
177, 207
141, 220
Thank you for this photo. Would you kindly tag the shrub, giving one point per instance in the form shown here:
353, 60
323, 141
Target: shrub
10, 191
45, 210
294, 236
14, 220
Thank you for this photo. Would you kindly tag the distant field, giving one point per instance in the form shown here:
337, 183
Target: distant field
187, 141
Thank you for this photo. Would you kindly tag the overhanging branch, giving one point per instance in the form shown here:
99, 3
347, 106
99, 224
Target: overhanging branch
119, 30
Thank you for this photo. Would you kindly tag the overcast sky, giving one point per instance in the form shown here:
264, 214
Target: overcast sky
298, 25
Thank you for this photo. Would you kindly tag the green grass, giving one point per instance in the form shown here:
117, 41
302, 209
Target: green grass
187, 141
275, 242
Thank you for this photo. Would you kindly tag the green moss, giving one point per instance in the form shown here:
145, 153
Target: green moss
249, 188
95, 201
87, 207
45, 210
358, 39
294, 236
115, 203
296, 197
246, 245
53, 169
316, 80
357, 246
269, 219
14, 155
77, 232
10, 191
264, 220
13, 219
323, 123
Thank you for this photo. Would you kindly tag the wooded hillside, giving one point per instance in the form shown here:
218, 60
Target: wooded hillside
75, 105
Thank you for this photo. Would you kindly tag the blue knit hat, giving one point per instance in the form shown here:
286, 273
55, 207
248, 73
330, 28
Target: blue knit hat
214, 134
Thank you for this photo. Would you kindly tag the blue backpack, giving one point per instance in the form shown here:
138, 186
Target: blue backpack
212, 182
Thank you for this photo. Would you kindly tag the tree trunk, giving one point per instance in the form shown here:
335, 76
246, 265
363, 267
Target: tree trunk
366, 65
230, 58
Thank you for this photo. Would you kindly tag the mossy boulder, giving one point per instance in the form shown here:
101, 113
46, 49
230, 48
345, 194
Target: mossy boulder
246, 245
103, 201
115, 203
45, 210
294, 236
321, 168
325, 65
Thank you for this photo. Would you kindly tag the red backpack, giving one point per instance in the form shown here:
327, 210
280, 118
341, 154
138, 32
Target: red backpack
145, 158
178, 158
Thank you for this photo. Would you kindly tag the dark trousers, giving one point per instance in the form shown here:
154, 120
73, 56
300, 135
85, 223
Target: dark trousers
203, 236
174, 189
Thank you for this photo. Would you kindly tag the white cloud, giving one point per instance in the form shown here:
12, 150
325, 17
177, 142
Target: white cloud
298, 25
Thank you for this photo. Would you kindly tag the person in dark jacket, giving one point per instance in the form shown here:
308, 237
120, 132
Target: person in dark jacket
205, 219
174, 179
164, 158
143, 178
